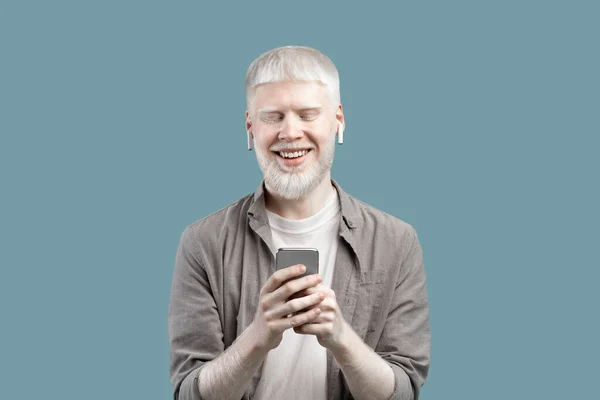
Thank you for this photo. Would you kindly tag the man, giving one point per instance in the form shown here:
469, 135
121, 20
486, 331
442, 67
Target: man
360, 327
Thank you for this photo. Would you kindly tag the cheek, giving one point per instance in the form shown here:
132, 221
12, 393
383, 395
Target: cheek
323, 134
323, 142
265, 138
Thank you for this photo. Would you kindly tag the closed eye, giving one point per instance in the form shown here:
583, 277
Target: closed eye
310, 117
271, 120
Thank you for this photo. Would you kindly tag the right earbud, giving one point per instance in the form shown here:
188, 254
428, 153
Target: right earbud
340, 133
249, 139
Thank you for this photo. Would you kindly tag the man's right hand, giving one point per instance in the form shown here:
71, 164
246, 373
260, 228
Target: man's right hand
271, 318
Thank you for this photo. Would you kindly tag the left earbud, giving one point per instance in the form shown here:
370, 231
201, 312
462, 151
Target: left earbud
340, 133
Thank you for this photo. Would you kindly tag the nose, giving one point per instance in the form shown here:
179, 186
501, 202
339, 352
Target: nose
291, 130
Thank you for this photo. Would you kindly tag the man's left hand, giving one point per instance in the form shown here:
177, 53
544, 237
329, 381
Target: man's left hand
329, 327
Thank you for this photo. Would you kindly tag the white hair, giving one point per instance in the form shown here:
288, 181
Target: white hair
293, 183
293, 63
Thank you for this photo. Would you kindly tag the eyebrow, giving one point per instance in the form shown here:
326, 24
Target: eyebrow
274, 109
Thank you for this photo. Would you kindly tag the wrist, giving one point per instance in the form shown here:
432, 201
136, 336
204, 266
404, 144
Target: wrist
344, 344
256, 344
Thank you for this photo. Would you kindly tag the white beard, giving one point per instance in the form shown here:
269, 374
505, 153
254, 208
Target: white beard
295, 182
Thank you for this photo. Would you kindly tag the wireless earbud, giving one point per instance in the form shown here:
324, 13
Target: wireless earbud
340, 133
249, 140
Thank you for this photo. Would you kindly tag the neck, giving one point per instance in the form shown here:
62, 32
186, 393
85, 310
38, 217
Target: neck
303, 207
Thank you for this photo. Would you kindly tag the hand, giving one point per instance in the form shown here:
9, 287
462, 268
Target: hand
271, 318
329, 327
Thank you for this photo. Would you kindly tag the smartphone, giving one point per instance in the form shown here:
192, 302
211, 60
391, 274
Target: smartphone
309, 257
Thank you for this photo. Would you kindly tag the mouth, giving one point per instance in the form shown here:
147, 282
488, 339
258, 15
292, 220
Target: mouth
292, 154
292, 158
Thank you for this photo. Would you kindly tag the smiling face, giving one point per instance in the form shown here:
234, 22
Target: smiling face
294, 126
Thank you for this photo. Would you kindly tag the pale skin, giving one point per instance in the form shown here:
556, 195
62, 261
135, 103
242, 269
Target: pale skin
300, 304
295, 113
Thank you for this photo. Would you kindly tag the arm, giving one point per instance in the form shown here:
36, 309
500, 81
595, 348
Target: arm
405, 340
229, 375
368, 376
399, 365
200, 367
195, 332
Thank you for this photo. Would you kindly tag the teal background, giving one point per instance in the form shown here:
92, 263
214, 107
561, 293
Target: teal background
122, 122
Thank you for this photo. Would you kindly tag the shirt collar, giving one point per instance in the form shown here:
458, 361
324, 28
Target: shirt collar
348, 208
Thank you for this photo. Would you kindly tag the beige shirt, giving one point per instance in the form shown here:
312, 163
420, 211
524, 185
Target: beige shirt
224, 259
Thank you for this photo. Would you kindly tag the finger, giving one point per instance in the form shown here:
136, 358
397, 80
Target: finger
282, 275
326, 305
312, 329
314, 289
285, 291
295, 307
324, 316
283, 324
307, 292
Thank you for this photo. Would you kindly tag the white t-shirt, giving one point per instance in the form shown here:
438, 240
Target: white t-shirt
297, 368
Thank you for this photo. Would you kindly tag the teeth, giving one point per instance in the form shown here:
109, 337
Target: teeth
294, 154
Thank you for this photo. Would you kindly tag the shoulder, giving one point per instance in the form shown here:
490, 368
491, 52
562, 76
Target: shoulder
213, 225
380, 234
378, 222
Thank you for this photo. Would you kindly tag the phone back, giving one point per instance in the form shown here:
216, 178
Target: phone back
286, 257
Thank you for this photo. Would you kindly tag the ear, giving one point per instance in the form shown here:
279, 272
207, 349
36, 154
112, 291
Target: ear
248, 121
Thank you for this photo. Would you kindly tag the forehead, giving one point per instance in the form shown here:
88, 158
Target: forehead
296, 95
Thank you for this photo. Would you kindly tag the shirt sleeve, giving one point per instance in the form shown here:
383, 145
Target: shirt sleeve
405, 341
195, 331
